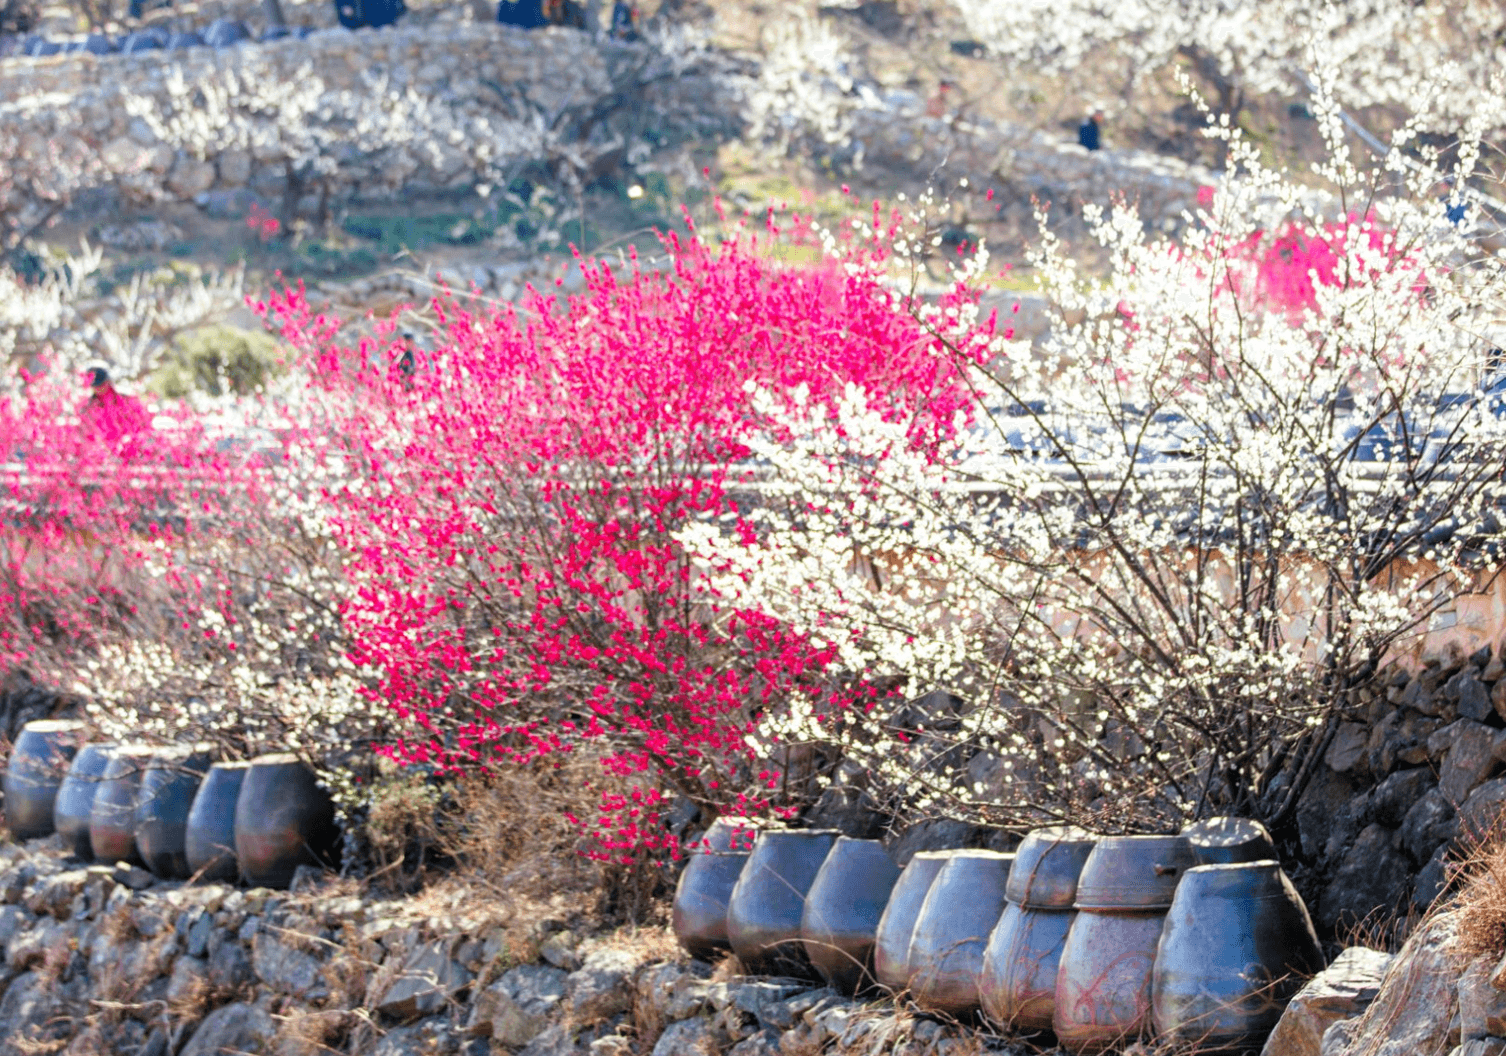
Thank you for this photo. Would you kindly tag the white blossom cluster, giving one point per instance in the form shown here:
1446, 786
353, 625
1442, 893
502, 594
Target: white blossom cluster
1432, 58
1179, 540
805, 92
64, 321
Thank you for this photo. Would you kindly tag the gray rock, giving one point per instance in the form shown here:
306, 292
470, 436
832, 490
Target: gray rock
13, 921
1372, 876
1480, 815
767, 1001
1432, 878
54, 894
557, 1040
229, 967
689, 1037
132, 877
1482, 1008
1323, 803
428, 1037
1472, 697
559, 950
1349, 749
1401, 739
287, 969
196, 941
189, 981
603, 986
1417, 1003
1472, 754
1482, 1047
234, 1030
429, 979
30, 1005
1393, 797
1428, 823
764, 1043
1343, 990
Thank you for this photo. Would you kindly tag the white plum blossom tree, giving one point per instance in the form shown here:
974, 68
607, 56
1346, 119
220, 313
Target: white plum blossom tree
1181, 541
1437, 56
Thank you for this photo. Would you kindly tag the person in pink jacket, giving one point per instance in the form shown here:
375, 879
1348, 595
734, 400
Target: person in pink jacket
110, 415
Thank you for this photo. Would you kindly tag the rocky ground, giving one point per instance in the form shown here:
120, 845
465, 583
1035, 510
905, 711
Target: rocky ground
102, 961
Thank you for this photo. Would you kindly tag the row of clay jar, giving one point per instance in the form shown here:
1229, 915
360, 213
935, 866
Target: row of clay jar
1101, 939
171, 809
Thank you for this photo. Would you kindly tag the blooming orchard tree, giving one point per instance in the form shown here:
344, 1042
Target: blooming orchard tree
1437, 58
510, 507
1182, 538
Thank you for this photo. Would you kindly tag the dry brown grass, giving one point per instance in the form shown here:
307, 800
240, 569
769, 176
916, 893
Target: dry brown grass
1481, 903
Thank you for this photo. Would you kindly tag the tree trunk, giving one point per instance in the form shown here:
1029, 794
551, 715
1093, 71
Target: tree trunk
273, 8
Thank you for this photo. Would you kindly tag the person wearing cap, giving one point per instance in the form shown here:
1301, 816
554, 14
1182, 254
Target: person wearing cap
108, 414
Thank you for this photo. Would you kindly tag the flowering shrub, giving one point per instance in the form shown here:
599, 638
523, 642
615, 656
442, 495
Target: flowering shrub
1187, 532
509, 511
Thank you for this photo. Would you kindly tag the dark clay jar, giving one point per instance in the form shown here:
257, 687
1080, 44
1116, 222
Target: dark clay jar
842, 912
1224, 840
1103, 981
764, 912
112, 821
891, 945
283, 819
960, 912
1236, 946
209, 835
1017, 986
705, 887
75, 799
39, 761
167, 793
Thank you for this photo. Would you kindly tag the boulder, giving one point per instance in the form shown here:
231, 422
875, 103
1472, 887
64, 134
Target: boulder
1372, 876
1415, 1009
1343, 990
1432, 878
30, 1005
434, 1036
689, 1037
603, 986
1480, 815
1324, 802
1394, 797
1428, 822
1482, 1008
1472, 696
233, 1030
1349, 750
428, 980
515, 1009
1471, 753
286, 968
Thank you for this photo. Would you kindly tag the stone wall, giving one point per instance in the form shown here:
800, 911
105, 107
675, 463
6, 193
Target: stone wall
101, 961
1421, 777
490, 80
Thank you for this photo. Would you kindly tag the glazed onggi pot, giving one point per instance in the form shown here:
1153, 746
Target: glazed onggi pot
112, 821
39, 761
75, 798
283, 819
162, 805
1104, 978
705, 887
768, 901
891, 944
960, 912
842, 911
1238, 943
1223, 840
209, 833
1017, 986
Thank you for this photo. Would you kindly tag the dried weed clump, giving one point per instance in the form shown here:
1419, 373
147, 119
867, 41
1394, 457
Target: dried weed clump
1481, 903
